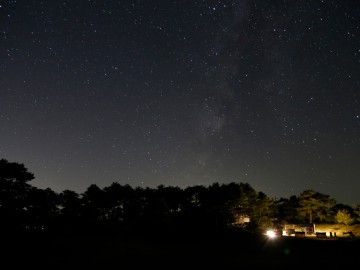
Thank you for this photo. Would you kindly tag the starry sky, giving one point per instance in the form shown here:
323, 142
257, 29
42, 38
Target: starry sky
183, 93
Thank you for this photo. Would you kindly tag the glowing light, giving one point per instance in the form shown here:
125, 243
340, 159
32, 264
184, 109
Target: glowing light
271, 234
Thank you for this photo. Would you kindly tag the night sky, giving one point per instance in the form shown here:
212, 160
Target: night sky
183, 93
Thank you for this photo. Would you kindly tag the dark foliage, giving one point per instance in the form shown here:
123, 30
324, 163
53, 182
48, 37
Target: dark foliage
121, 209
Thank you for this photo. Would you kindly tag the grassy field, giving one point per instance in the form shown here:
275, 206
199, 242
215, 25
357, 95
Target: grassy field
340, 229
205, 251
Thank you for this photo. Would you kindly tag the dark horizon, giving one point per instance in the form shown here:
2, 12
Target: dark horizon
227, 226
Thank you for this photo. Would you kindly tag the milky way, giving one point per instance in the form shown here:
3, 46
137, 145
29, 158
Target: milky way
183, 93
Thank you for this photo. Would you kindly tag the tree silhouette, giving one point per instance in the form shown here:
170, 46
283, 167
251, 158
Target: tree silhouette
70, 210
314, 205
95, 213
41, 209
123, 208
115, 200
287, 209
357, 212
14, 190
264, 210
193, 207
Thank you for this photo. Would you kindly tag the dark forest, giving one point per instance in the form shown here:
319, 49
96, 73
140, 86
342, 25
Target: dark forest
118, 208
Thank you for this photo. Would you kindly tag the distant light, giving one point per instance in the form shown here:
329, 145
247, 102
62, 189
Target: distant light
271, 234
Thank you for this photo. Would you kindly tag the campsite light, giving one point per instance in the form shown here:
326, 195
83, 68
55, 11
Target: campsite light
270, 233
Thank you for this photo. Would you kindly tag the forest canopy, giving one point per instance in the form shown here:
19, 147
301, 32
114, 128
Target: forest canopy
121, 207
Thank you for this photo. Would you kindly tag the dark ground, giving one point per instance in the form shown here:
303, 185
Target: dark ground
197, 251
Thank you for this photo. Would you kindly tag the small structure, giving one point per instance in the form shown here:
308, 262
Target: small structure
308, 228
289, 229
299, 229
241, 220
299, 234
321, 235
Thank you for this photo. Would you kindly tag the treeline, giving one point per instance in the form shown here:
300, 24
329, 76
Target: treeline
117, 207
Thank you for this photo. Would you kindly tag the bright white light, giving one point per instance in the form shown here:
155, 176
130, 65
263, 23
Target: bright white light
271, 234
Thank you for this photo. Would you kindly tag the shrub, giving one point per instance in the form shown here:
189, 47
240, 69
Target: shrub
343, 217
